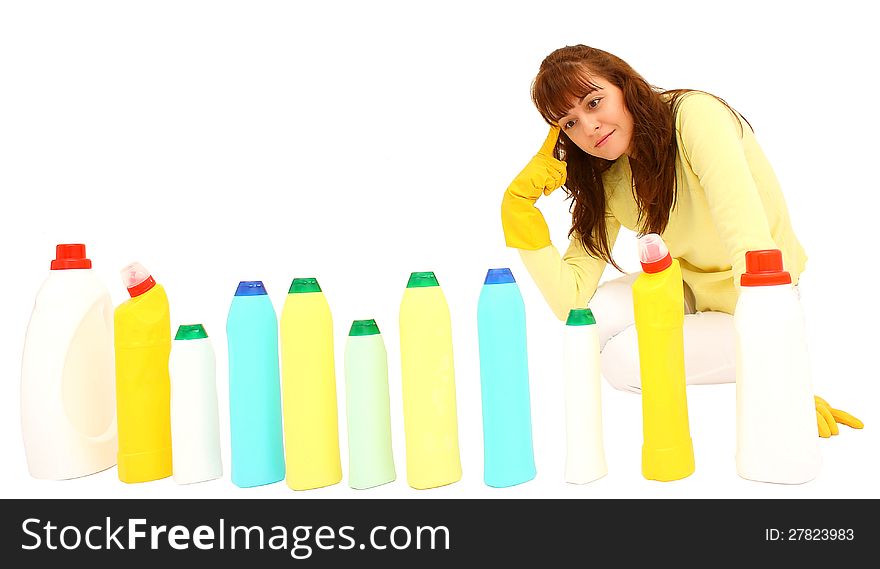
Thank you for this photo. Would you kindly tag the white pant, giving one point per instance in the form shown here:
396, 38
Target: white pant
709, 339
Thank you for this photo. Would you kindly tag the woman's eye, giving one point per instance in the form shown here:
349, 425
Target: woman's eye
594, 103
568, 125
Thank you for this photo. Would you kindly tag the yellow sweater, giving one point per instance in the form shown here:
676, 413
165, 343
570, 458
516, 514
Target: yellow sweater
728, 202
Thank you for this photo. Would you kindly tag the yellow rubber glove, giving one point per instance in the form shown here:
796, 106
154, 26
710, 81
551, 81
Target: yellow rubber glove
523, 223
827, 417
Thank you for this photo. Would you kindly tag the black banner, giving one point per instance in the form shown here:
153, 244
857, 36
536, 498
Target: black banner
402, 532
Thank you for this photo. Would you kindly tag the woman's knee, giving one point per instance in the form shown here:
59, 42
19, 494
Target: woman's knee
620, 361
612, 306
709, 353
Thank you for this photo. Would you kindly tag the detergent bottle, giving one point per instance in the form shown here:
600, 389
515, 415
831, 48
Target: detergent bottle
428, 385
585, 450
142, 332
195, 420
367, 407
254, 388
658, 306
776, 439
308, 373
508, 458
68, 392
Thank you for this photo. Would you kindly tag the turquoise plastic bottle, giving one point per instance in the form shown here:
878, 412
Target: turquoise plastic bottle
504, 377
254, 388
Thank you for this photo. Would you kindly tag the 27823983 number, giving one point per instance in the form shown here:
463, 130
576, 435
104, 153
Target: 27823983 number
823, 534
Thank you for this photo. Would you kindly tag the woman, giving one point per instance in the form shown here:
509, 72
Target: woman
682, 164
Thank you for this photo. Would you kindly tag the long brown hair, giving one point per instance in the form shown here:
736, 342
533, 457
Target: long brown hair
564, 78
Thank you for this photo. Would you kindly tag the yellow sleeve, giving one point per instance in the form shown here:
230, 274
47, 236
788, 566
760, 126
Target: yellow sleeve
711, 140
568, 281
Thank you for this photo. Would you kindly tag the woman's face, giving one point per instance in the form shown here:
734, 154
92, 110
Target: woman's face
599, 124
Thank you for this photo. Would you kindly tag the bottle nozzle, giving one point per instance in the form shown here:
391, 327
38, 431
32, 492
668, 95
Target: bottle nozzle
653, 253
652, 248
137, 279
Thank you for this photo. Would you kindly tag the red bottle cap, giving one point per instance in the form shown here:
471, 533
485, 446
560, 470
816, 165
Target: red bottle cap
764, 268
70, 256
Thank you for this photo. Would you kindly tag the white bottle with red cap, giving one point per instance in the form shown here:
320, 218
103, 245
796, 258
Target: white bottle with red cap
776, 434
68, 402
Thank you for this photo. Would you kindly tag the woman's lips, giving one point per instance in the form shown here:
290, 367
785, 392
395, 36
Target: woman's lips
604, 139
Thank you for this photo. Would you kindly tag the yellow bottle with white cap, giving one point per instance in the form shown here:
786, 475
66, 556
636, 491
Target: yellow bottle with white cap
658, 305
142, 338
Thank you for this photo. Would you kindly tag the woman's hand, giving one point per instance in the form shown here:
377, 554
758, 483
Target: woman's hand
524, 226
827, 417
544, 172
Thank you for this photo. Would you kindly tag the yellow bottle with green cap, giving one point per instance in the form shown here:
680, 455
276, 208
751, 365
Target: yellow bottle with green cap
658, 306
142, 340
428, 378
308, 381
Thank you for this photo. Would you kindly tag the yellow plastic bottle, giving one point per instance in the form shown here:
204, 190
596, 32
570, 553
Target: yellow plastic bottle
142, 339
658, 304
308, 376
428, 380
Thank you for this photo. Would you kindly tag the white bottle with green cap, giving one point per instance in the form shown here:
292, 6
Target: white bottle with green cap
195, 421
428, 381
585, 450
367, 407
308, 388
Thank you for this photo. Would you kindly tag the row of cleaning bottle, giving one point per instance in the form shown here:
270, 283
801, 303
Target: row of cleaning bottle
304, 446
96, 383
776, 431
103, 386
73, 433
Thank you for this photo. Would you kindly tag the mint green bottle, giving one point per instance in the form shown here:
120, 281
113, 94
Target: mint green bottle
367, 407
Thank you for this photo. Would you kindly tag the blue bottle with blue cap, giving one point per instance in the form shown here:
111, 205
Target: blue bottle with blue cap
254, 388
504, 377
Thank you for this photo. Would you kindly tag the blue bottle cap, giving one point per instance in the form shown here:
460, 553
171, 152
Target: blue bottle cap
499, 276
250, 288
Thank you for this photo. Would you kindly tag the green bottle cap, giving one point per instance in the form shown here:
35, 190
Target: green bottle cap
191, 332
580, 317
304, 285
364, 328
423, 279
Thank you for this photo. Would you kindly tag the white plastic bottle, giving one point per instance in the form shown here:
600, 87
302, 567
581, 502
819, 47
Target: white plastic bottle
68, 382
585, 449
195, 422
776, 433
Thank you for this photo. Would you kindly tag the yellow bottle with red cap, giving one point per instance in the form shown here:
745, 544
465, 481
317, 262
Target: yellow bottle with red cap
142, 340
658, 306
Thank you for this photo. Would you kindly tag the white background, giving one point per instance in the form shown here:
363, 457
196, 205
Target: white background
357, 142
